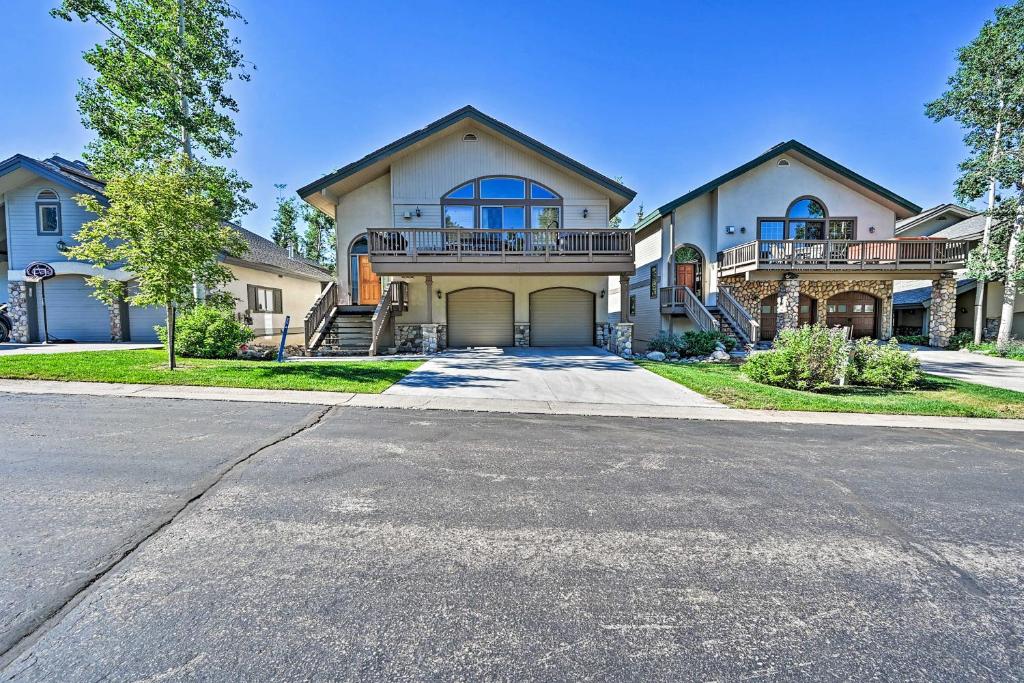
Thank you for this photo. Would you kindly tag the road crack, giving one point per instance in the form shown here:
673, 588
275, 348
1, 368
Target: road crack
16, 643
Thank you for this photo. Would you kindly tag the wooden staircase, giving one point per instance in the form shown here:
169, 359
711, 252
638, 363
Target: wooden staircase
725, 325
349, 333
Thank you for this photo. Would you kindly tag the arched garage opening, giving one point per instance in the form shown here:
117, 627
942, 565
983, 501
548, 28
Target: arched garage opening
769, 309
562, 316
480, 316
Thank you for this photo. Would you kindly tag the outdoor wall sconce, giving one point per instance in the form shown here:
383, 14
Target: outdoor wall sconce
743, 229
602, 293
62, 246
872, 230
419, 213
439, 294
586, 212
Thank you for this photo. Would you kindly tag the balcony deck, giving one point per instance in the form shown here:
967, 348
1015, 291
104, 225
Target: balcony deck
845, 255
426, 251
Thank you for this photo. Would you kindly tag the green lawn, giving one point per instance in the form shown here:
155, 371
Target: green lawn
150, 367
937, 396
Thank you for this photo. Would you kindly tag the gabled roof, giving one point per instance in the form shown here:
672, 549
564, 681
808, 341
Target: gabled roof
928, 214
781, 148
76, 176
471, 113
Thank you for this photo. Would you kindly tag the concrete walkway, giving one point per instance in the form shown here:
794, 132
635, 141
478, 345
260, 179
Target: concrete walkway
563, 375
13, 349
498, 405
1001, 373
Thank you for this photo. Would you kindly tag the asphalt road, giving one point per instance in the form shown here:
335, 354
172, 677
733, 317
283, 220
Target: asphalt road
388, 544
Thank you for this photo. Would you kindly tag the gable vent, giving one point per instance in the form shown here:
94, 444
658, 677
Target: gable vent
783, 162
469, 137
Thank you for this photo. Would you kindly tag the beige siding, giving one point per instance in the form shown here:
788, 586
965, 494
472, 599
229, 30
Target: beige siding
297, 295
367, 207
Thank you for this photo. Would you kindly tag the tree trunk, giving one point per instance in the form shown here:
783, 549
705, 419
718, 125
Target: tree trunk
981, 285
1010, 284
170, 336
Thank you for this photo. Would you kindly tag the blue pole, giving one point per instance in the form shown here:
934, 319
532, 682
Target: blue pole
284, 336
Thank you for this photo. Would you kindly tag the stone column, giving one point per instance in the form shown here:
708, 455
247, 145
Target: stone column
942, 312
787, 311
522, 334
886, 320
17, 309
429, 335
622, 342
117, 322
624, 298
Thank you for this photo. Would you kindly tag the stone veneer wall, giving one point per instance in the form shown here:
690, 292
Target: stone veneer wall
116, 321
17, 309
622, 339
750, 294
409, 338
602, 335
787, 311
522, 334
942, 312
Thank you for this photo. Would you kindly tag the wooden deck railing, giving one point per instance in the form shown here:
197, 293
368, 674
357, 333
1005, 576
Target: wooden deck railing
455, 243
685, 298
318, 317
741, 319
892, 254
395, 300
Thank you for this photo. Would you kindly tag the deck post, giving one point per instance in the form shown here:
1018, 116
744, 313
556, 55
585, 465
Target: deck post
430, 298
624, 298
942, 312
787, 308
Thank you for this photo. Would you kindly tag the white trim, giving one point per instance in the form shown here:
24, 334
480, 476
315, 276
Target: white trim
76, 268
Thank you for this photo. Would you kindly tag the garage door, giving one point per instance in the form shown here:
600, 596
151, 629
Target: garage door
480, 317
856, 310
562, 317
142, 320
71, 311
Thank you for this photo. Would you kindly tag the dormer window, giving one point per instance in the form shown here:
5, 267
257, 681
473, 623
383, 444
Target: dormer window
502, 203
48, 218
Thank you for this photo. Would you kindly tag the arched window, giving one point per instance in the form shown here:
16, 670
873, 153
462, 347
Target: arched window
502, 203
48, 221
807, 218
689, 268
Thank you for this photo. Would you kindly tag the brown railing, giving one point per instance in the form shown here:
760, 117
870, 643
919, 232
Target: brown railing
395, 300
845, 255
318, 317
684, 297
456, 243
738, 316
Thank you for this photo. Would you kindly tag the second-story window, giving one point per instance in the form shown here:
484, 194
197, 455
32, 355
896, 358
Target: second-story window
502, 203
48, 213
806, 219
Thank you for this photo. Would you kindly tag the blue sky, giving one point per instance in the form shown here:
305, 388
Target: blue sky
666, 95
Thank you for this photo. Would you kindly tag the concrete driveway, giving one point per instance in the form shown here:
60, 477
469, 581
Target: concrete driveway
14, 349
572, 375
973, 367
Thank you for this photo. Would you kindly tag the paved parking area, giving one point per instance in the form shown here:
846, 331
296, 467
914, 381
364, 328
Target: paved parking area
574, 375
15, 349
973, 367
398, 545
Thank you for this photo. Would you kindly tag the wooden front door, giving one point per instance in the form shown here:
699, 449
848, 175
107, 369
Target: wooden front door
369, 283
686, 275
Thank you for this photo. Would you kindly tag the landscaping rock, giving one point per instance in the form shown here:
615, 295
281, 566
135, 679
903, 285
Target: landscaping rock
655, 356
719, 346
673, 356
718, 356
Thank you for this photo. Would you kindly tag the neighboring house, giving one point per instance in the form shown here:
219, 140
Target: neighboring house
930, 221
913, 302
790, 237
38, 221
469, 233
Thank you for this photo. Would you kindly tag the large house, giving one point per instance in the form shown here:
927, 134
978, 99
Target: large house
788, 238
470, 233
38, 221
912, 302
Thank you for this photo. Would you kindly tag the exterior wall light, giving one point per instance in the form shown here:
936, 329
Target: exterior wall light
439, 294
586, 212
419, 213
62, 246
743, 229
872, 230
602, 293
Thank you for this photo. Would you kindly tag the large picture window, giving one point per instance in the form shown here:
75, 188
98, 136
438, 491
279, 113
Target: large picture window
806, 219
502, 203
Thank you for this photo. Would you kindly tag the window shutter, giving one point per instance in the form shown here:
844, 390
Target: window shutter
278, 306
251, 290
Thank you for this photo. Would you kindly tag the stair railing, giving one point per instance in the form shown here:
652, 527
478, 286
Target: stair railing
697, 312
395, 300
318, 319
738, 317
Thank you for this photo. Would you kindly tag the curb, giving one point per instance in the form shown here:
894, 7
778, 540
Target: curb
514, 407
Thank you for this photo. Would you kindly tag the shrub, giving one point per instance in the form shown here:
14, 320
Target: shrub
666, 342
914, 339
702, 343
207, 332
886, 366
1015, 349
811, 357
960, 340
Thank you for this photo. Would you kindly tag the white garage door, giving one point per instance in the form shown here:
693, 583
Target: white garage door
562, 317
71, 311
480, 317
